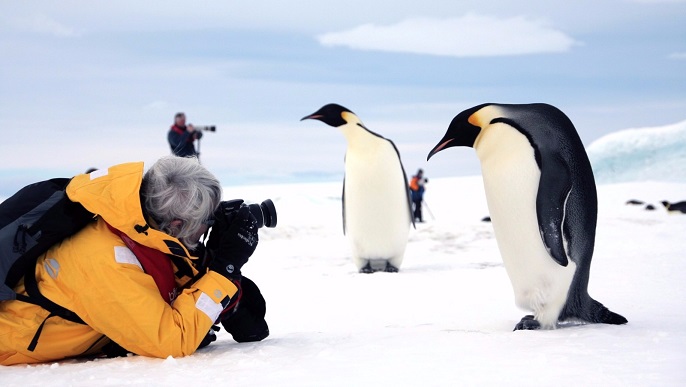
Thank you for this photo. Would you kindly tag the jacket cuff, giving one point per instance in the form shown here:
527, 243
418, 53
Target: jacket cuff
220, 289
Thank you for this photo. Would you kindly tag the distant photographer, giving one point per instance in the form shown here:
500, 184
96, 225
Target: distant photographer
182, 136
417, 187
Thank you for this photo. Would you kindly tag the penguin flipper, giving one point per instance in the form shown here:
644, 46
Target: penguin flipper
553, 189
343, 202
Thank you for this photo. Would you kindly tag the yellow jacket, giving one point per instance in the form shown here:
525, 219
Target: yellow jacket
96, 276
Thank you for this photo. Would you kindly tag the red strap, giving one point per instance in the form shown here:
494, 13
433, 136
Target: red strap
177, 129
234, 302
155, 263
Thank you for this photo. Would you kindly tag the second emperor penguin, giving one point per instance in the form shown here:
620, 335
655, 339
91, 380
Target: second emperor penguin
542, 200
376, 203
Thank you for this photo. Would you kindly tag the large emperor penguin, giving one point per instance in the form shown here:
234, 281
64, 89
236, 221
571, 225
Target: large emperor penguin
376, 203
542, 200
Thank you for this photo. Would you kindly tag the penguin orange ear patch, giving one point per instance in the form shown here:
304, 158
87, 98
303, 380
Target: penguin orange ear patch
346, 116
474, 120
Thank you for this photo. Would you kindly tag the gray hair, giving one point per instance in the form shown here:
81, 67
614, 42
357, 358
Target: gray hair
179, 188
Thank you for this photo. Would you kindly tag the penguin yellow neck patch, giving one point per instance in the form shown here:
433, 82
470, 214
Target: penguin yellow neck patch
349, 117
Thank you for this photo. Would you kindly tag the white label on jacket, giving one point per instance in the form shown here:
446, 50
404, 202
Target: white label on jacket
207, 305
122, 254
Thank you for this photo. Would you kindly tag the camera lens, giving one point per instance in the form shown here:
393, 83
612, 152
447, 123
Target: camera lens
269, 213
264, 213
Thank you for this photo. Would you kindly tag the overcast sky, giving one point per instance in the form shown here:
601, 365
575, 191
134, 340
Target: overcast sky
94, 83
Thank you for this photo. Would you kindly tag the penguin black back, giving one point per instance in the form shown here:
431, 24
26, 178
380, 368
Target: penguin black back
566, 191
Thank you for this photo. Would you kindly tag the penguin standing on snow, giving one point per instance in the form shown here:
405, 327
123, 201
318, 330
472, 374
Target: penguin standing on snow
542, 200
376, 202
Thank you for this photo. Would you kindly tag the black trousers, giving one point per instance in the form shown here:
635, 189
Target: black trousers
417, 209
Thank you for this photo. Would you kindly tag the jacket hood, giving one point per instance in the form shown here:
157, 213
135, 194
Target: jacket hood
114, 195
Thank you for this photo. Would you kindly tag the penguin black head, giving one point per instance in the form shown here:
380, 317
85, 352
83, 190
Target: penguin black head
463, 131
331, 114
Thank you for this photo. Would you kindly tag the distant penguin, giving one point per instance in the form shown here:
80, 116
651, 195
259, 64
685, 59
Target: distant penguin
675, 207
376, 202
542, 201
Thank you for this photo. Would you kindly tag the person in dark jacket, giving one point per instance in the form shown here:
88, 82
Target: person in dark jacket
181, 137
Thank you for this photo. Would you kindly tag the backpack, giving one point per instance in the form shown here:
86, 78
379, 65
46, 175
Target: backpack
31, 221
34, 219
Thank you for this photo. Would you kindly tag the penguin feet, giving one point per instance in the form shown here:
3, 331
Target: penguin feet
527, 323
390, 268
367, 269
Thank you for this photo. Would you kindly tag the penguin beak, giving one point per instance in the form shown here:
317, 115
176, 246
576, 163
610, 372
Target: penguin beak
442, 145
314, 116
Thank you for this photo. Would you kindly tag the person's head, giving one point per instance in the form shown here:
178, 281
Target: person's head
179, 196
420, 173
180, 119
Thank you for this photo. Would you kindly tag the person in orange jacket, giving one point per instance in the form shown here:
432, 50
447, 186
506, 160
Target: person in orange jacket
417, 188
112, 273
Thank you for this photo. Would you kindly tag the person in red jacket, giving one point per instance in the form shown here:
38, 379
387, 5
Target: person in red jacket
182, 136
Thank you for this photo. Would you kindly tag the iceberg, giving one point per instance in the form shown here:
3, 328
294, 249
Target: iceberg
643, 154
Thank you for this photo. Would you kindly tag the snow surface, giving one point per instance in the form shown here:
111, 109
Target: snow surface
657, 153
445, 319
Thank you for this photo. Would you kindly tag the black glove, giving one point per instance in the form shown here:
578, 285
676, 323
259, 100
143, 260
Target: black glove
209, 337
231, 245
246, 323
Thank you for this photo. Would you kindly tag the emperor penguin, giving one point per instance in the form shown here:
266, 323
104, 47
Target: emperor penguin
675, 207
376, 203
542, 201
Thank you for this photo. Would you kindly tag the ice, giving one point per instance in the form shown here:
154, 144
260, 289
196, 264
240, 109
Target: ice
657, 154
445, 319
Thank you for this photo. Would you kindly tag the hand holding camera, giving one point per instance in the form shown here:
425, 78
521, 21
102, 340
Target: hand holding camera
232, 241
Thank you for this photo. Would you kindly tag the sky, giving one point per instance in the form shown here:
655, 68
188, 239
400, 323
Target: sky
93, 83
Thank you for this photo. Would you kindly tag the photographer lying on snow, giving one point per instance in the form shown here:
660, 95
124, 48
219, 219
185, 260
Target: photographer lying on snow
135, 277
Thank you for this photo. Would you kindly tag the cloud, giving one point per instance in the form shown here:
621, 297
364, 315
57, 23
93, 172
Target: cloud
45, 25
677, 55
471, 35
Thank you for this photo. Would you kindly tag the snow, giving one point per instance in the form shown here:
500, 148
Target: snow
657, 153
445, 319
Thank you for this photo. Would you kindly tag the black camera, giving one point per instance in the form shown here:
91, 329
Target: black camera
207, 128
265, 212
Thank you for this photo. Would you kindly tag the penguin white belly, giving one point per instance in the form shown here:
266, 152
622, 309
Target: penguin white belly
377, 215
511, 181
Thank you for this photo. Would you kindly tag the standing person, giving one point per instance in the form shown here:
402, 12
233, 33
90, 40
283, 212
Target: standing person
417, 187
181, 137
130, 275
